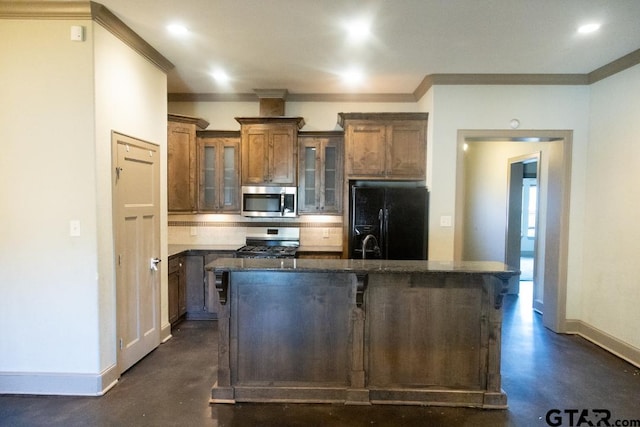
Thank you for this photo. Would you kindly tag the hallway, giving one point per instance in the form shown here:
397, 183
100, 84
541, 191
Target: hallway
171, 386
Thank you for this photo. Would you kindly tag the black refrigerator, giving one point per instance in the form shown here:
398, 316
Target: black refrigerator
396, 217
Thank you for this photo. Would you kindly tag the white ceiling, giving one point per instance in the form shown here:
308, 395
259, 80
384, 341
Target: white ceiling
301, 45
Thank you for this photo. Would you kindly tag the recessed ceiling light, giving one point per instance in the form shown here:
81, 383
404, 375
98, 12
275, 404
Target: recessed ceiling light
588, 28
358, 30
220, 76
177, 29
353, 76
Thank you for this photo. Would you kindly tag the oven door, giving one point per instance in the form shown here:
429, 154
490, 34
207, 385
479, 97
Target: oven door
269, 201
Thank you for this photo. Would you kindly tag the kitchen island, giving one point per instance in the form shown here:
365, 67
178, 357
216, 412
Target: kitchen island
359, 331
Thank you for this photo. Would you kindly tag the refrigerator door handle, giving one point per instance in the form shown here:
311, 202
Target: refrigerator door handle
382, 228
385, 236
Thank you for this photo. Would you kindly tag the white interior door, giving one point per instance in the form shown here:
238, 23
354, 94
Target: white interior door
137, 241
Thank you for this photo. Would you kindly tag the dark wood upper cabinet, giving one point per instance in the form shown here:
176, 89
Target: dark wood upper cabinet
385, 145
269, 148
218, 171
182, 162
321, 171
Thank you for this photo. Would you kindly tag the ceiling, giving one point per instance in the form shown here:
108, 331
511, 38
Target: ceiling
302, 46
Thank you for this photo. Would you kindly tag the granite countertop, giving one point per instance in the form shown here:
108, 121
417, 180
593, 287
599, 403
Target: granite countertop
360, 266
196, 249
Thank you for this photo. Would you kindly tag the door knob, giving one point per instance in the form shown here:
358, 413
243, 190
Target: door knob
154, 263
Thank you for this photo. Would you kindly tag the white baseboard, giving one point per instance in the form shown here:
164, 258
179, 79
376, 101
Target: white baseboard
69, 384
608, 342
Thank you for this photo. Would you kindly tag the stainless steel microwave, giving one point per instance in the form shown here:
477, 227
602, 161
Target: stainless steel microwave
269, 201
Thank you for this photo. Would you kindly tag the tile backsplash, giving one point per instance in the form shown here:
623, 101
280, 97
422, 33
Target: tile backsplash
205, 235
186, 231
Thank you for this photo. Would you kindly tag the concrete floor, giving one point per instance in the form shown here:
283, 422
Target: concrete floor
541, 371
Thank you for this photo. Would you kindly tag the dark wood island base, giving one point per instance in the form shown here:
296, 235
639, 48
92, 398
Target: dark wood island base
359, 332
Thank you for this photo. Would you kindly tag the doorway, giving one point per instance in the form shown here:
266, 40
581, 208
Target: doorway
481, 205
136, 213
522, 225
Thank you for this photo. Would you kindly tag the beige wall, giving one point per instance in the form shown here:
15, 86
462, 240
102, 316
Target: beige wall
49, 301
486, 188
426, 105
483, 196
130, 98
611, 271
491, 108
60, 101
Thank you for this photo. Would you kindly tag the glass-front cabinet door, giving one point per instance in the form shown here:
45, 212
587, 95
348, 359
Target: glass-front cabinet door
219, 177
320, 172
309, 193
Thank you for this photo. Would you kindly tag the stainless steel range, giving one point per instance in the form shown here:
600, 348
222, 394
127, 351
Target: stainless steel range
270, 242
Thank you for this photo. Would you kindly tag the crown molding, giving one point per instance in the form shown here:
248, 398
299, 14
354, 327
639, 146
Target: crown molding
199, 122
381, 117
45, 10
293, 97
115, 26
509, 79
499, 79
85, 10
614, 67
298, 121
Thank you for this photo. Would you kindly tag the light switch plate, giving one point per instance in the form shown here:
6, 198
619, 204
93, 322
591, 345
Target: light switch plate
74, 228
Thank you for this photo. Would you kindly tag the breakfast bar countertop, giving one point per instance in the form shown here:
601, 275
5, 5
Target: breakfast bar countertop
360, 266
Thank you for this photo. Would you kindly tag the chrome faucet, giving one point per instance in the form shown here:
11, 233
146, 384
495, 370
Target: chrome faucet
376, 248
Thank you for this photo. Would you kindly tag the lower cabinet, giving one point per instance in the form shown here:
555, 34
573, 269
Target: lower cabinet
198, 293
196, 309
177, 289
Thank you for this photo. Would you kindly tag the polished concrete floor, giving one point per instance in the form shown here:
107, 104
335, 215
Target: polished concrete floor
541, 371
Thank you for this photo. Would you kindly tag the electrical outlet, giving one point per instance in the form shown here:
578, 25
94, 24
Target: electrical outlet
193, 231
325, 233
445, 221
